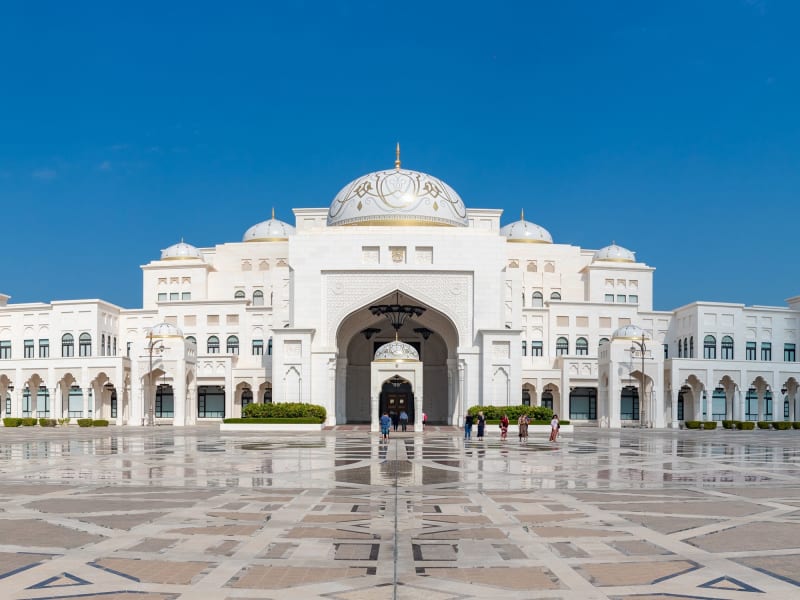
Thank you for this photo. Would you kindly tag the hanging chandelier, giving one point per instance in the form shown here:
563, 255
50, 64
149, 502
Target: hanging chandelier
397, 313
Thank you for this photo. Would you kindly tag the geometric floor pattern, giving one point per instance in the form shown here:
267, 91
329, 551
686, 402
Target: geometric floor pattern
193, 514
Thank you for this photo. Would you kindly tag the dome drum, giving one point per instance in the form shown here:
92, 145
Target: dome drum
396, 351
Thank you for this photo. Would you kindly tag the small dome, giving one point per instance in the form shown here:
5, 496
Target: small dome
629, 332
397, 197
273, 230
396, 351
164, 330
525, 232
181, 251
614, 253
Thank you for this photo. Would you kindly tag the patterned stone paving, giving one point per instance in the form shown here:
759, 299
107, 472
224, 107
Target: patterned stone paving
165, 514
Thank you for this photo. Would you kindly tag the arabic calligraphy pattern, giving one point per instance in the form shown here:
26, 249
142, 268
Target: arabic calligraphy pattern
397, 197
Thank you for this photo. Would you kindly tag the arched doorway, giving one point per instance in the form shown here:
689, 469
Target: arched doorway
397, 396
432, 334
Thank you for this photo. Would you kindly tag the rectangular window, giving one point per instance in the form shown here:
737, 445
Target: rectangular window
524, 348
174, 296
666, 351
186, 295
44, 348
750, 351
258, 347
128, 349
28, 349
5, 348
766, 351
162, 297
609, 297
621, 298
537, 348
789, 353
633, 299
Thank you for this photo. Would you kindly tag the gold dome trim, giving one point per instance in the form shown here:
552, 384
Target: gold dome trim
623, 260
270, 239
182, 258
392, 360
529, 241
396, 223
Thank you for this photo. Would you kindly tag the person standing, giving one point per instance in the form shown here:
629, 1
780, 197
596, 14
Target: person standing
504, 428
554, 428
522, 422
386, 422
395, 420
403, 420
424, 420
468, 426
481, 425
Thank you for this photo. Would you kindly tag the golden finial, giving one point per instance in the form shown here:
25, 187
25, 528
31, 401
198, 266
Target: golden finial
273, 213
397, 157
521, 214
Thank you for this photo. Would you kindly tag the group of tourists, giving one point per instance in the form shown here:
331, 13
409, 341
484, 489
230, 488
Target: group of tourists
396, 421
522, 423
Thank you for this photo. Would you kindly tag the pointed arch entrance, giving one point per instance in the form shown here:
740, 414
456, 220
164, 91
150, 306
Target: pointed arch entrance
432, 333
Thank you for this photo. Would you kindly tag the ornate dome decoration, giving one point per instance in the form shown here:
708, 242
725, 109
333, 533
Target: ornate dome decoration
164, 330
630, 332
525, 232
614, 253
398, 197
181, 251
396, 351
273, 230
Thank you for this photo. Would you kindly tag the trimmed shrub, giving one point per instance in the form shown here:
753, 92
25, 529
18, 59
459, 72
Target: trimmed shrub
709, 425
564, 422
29, 421
495, 413
47, 422
692, 424
99, 423
285, 410
12, 421
782, 425
729, 424
64, 421
747, 425
764, 424
796, 425
84, 422
277, 420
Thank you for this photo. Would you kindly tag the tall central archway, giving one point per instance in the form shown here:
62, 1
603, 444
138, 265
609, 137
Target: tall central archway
434, 336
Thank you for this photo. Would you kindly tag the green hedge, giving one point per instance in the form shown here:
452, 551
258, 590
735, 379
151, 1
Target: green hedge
782, 425
47, 422
285, 410
12, 421
709, 425
495, 413
746, 425
84, 422
796, 424
692, 424
276, 420
764, 424
729, 424
28, 421
538, 422
99, 423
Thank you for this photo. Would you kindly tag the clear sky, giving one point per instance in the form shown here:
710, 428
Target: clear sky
669, 127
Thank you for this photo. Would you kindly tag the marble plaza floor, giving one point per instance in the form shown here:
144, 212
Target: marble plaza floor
162, 514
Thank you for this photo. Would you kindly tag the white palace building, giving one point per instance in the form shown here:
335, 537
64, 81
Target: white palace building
399, 296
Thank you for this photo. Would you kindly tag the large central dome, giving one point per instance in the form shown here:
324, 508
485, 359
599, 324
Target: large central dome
397, 197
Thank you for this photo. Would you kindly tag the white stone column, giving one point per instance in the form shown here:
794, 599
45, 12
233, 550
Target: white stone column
179, 396
460, 395
58, 402
85, 394
762, 401
341, 391
792, 395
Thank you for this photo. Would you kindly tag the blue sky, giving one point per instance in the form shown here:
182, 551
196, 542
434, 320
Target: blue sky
670, 127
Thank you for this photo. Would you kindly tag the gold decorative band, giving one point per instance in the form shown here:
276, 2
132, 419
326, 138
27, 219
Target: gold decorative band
625, 260
391, 360
182, 258
516, 241
271, 239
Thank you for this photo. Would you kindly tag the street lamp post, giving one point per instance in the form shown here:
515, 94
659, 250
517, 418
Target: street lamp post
151, 404
642, 393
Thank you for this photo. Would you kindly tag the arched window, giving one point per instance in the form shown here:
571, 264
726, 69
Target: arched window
524, 348
258, 298
103, 345
238, 295
685, 350
555, 296
709, 347
269, 347
537, 300
232, 344
191, 338
680, 349
691, 347
726, 348
85, 345
247, 397
582, 347
562, 346
67, 345
213, 345
603, 341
